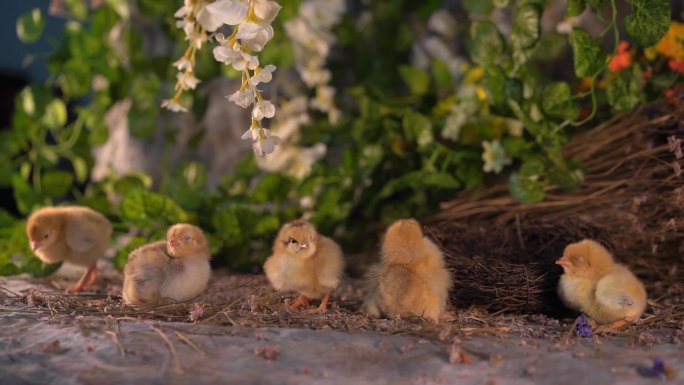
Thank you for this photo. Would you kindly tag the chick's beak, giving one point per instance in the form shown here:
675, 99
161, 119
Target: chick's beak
34, 245
563, 262
174, 242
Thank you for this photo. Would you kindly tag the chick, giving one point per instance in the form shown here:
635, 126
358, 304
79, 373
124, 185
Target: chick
74, 234
173, 270
306, 262
596, 285
411, 278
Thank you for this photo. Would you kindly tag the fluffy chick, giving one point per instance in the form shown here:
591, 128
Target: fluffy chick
306, 262
74, 234
596, 285
411, 278
173, 270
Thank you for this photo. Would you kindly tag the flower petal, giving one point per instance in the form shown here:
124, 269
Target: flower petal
229, 12
266, 10
208, 21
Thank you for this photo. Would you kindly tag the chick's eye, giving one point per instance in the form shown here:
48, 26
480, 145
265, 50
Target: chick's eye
186, 237
46, 236
292, 240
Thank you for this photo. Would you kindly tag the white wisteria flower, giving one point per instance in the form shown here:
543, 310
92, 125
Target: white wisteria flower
243, 98
187, 80
251, 21
262, 141
262, 75
231, 12
494, 157
183, 64
263, 109
266, 10
173, 105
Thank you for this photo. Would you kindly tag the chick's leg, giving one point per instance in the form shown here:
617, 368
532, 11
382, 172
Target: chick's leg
302, 300
86, 280
324, 304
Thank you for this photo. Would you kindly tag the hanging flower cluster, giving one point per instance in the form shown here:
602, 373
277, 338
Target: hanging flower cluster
251, 21
310, 33
195, 22
311, 39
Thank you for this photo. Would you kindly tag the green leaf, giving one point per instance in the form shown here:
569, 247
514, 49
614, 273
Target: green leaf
24, 195
649, 21
625, 92
557, 101
56, 183
80, 168
587, 54
418, 180
526, 25
416, 79
74, 79
55, 114
131, 182
526, 189
485, 42
226, 221
121, 256
478, 6
27, 101
30, 26
419, 127
142, 206
575, 7
77, 8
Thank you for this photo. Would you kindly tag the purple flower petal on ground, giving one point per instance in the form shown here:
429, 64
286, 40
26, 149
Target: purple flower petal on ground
583, 328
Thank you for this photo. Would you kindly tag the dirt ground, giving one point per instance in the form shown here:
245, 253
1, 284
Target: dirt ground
240, 332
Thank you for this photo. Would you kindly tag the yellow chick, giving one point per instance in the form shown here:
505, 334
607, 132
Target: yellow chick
411, 278
74, 234
173, 270
596, 285
306, 262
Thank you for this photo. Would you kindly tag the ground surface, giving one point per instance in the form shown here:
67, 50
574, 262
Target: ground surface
242, 334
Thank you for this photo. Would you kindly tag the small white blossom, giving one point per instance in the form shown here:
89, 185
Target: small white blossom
263, 109
494, 157
243, 98
248, 30
187, 81
231, 12
263, 36
183, 64
266, 10
262, 141
262, 75
208, 20
173, 105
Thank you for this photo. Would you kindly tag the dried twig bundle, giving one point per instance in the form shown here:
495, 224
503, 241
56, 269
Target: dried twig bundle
502, 251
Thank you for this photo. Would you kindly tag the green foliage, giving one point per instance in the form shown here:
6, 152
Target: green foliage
588, 56
410, 137
30, 26
649, 21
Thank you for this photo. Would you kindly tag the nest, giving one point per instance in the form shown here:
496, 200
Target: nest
501, 252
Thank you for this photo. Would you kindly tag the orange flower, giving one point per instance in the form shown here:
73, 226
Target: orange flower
622, 58
672, 44
676, 65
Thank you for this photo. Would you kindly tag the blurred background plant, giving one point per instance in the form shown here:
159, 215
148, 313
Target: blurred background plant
384, 110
